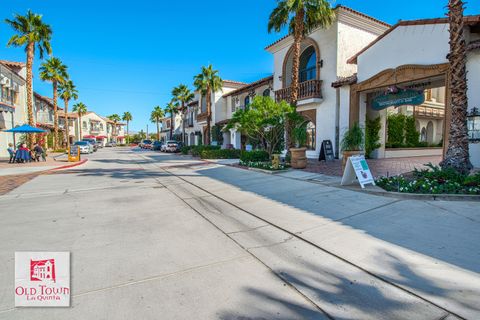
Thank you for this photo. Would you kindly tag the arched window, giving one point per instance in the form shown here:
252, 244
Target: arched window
247, 102
308, 65
311, 131
266, 93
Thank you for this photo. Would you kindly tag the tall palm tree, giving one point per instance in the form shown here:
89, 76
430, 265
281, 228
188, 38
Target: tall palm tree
208, 82
171, 108
301, 17
31, 32
115, 118
81, 109
457, 155
156, 116
127, 116
67, 91
183, 95
54, 71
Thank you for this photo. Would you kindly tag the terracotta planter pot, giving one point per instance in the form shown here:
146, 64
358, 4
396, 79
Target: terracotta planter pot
348, 154
299, 158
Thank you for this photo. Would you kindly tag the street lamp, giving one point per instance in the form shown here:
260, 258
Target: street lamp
473, 125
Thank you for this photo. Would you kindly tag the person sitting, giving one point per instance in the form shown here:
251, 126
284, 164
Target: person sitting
39, 152
23, 154
11, 152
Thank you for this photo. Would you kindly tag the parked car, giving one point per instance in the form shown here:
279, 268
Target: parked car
84, 146
93, 142
146, 144
170, 146
111, 144
157, 145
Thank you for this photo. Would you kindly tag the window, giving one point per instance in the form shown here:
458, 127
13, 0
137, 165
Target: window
308, 65
266, 93
247, 102
85, 125
203, 104
311, 131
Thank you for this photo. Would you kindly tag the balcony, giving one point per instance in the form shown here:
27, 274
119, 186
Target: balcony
202, 116
436, 113
311, 89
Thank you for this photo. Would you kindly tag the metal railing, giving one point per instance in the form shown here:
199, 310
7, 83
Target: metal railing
306, 90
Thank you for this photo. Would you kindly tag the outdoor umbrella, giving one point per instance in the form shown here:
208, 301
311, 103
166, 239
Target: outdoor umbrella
24, 129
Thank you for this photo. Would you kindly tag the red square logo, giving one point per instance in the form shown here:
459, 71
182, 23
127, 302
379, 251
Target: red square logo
42, 270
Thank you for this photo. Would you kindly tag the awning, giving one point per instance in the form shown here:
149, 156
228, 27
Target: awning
101, 137
25, 129
89, 137
121, 137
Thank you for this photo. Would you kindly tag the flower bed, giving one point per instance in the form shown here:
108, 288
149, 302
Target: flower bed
264, 165
432, 181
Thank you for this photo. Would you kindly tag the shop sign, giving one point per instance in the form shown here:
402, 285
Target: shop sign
357, 169
395, 99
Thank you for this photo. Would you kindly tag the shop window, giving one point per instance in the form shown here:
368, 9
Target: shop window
311, 133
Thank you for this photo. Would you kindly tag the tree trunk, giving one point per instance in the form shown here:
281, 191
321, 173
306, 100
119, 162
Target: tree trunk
55, 115
183, 122
30, 53
457, 155
209, 116
171, 125
158, 131
67, 125
114, 131
128, 133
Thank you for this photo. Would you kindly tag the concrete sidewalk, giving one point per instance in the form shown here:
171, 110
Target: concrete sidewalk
429, 248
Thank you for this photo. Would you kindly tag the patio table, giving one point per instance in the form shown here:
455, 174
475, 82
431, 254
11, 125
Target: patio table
22, 155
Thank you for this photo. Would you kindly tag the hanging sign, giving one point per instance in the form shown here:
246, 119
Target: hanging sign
326, 151
399, 98
357, 170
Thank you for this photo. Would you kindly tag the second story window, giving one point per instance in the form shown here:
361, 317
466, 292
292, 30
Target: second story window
203, 104
84, 124
308, 68
247, 102
266, 93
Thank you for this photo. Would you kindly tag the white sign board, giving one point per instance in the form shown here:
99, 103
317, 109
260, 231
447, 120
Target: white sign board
42, 279
357, 169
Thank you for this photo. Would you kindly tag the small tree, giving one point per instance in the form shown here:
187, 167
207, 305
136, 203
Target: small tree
264, 120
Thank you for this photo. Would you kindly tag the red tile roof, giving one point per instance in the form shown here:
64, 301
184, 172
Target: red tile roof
13, 64
339, 7
345, 81
469, 20
250, 86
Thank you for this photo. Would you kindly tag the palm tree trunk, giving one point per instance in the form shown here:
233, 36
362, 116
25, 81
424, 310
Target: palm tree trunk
67, 125
55, 116
171, 125
457, 155
183, 122
158, 131
128, 134
30, 53
80, 125
209, 116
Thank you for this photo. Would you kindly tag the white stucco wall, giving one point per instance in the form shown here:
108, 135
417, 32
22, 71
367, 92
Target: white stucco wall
421, 44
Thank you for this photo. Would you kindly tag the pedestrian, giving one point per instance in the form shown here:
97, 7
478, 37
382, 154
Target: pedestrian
11, 152
39, 152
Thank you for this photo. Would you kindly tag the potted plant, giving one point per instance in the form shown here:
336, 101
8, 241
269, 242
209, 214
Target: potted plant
352, 143
298, 156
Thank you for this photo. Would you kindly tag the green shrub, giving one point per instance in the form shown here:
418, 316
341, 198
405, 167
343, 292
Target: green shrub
472, 181
353, 139
255, 156
220, 154
196, 150
185, 149
412, 136
396, 130
372, 136
263, 165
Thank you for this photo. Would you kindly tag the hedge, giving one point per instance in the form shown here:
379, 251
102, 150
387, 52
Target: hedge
255, 156
196, 150
220, 154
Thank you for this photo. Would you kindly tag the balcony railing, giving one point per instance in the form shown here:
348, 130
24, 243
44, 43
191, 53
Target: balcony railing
202, 116
306, 90
429, 112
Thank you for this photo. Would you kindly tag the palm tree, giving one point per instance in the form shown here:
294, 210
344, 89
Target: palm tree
115, 118
183, 95
208, 82
171, 108
301, 16
54, 71
127, 116
156, 116
457, 155
30, 32
81, 109
67, 91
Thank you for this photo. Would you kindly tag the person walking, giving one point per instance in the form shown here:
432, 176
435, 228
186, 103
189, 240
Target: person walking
11, 152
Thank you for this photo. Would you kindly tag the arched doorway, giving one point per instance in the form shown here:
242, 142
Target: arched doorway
430, 132
192, 139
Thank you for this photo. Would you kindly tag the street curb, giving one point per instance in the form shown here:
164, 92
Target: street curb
69, 165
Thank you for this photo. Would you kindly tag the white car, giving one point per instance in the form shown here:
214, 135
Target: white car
84, 146
169, 146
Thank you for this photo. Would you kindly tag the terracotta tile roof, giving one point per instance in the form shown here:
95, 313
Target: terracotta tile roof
250, 86
234, 84
192, 103
469, 20
337, 8
223, 122
13, 64
341, 81
70, 115
473, 45
45, 99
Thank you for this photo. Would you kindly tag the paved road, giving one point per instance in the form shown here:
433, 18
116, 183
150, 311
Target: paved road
157, 236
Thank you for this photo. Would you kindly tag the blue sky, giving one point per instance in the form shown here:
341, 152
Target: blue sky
126, 56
